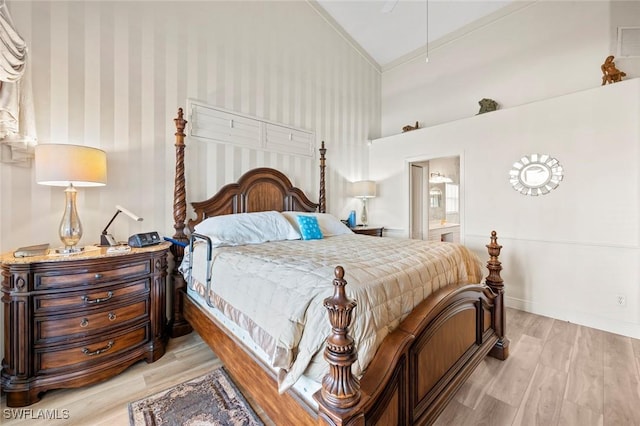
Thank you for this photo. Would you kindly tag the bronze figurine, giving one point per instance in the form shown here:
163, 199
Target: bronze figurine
611, 74
408, 128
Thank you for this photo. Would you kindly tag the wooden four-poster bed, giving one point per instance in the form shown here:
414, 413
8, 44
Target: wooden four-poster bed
416, 369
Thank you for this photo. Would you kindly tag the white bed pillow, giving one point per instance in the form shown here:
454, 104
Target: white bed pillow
247, 228
329, 224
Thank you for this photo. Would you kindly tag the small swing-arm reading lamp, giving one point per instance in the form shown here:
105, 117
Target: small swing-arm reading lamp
107, 239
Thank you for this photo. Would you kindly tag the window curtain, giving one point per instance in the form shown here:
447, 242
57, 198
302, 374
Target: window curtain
17, 121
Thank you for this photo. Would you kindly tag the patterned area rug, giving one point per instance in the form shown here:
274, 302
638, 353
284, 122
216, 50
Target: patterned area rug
212, 399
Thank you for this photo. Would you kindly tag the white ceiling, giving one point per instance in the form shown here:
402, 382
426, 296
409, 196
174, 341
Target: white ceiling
390, 29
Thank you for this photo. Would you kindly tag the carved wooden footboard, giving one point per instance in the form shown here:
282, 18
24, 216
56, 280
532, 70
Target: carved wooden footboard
422, 363
414, 373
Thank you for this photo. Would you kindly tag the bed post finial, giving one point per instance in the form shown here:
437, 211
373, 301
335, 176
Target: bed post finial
340, 388
179, 326
323, 194
495, 282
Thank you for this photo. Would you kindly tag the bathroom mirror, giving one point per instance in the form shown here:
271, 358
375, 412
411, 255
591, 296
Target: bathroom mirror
435, 197
536, 174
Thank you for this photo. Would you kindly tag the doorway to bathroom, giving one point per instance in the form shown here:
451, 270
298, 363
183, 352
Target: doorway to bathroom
435, 199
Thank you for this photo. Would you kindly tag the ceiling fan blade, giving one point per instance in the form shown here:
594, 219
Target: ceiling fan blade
388, 6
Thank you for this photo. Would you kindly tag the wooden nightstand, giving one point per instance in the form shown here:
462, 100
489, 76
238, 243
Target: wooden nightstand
376, 231
78, 319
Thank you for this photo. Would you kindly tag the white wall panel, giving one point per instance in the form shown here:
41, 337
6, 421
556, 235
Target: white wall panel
567, 254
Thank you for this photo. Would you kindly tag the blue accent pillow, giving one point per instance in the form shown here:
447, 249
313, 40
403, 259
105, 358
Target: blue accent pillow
309, 227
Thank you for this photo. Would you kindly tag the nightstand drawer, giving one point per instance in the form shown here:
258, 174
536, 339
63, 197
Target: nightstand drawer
67, 301
87, 323
61, 278
90, 352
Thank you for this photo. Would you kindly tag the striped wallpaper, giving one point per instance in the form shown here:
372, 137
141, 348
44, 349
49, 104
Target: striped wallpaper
112, 75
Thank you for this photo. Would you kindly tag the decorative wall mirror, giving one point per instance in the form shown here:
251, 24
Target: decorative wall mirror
535, 174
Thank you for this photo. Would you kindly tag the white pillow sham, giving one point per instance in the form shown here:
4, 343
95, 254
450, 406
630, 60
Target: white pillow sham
329, 224
247, 228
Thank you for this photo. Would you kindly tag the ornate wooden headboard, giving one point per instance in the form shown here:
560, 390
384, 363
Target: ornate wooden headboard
261, 189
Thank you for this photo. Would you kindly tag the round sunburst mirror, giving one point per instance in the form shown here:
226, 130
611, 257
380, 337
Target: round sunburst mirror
535, 174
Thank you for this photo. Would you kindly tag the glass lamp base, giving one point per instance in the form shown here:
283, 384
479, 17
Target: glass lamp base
363, 216
70, 226
69, 250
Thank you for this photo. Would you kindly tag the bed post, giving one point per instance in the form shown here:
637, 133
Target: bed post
323, 194
178, 326
340, 388
495, 282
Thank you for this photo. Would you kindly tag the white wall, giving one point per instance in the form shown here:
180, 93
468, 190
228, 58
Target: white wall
540, 50
624, 14
112, 75
571, 254
567, 254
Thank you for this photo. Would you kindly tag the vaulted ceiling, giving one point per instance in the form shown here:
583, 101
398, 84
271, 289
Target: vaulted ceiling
390, 29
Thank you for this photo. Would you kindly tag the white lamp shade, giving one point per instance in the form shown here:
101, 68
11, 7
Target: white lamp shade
64, 164
364, 189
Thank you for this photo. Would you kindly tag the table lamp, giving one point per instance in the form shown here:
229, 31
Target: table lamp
71, 166
364, 189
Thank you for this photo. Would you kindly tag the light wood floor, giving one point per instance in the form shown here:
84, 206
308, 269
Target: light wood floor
557, 374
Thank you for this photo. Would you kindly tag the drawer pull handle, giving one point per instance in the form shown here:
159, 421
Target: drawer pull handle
112, 316
88, 301
84, 322
87, 352
97, 276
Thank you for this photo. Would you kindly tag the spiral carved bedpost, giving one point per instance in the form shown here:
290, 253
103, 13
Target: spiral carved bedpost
495, 282
179, 326
340, 388
323, 194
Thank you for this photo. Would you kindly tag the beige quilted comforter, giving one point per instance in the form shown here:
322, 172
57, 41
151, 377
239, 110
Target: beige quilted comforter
275, 291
